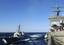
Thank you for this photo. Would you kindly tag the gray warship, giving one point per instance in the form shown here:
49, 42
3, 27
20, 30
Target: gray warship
56, 34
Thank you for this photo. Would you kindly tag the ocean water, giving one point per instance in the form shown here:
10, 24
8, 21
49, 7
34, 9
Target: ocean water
34, 41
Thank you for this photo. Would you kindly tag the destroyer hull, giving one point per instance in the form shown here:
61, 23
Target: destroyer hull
56, 38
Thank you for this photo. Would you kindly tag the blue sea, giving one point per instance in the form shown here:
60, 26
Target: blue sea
38, 41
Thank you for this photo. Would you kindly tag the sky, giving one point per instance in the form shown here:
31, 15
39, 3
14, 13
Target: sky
32, 15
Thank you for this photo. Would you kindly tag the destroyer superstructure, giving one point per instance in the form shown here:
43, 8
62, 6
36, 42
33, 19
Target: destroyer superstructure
56, 36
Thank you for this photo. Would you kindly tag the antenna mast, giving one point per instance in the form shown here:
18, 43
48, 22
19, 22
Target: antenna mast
57, 11
19, 28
